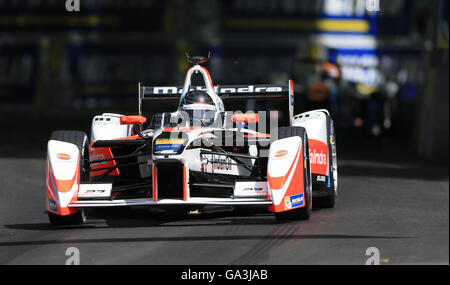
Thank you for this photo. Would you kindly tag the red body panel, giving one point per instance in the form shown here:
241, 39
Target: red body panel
318, 156
97, 153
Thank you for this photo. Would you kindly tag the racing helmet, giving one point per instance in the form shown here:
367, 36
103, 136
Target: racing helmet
199, 107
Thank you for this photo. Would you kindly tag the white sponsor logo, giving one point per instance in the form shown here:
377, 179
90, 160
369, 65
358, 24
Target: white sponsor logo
250, 189
318, 158
321, 178
95, 190
297, 200
225, 90
219, 164
166, 90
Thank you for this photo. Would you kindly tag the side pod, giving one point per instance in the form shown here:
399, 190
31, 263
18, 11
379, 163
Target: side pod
285, 174
63, 177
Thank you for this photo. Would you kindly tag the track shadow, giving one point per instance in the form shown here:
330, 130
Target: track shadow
46, 227
193, 238
136, 218
173, 217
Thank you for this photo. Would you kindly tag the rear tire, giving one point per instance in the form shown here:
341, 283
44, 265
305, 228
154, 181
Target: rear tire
79, 139
329, 201
303, 213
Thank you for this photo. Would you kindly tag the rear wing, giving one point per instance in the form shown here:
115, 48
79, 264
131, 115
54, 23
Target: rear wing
231, 95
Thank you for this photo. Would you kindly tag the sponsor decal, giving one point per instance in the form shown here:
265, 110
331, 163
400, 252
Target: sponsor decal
100, 153
97, 156
52, 205
223, 90
297, 200
95, 190
63, 156
250, 189
281, 153
293, 201
287, 203
169, 141
219, 164
318, 157
331, 132
169, 144
321, 178
222, 163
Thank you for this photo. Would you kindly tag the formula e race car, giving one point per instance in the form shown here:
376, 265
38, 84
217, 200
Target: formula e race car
223, 145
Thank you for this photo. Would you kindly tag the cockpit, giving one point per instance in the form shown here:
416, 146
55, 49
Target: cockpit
199, 107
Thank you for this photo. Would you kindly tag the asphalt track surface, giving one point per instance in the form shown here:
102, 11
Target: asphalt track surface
387, 199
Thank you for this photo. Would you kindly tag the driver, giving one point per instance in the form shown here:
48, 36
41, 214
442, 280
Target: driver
199, 106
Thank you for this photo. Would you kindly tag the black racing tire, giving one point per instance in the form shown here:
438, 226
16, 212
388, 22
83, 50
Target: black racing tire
303, 213
329, 201
79, 218
79, 139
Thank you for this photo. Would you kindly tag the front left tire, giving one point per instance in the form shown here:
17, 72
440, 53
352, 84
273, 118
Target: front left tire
303, 213
79, 139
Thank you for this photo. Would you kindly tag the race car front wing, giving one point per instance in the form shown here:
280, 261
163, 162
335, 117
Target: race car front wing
190, 201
